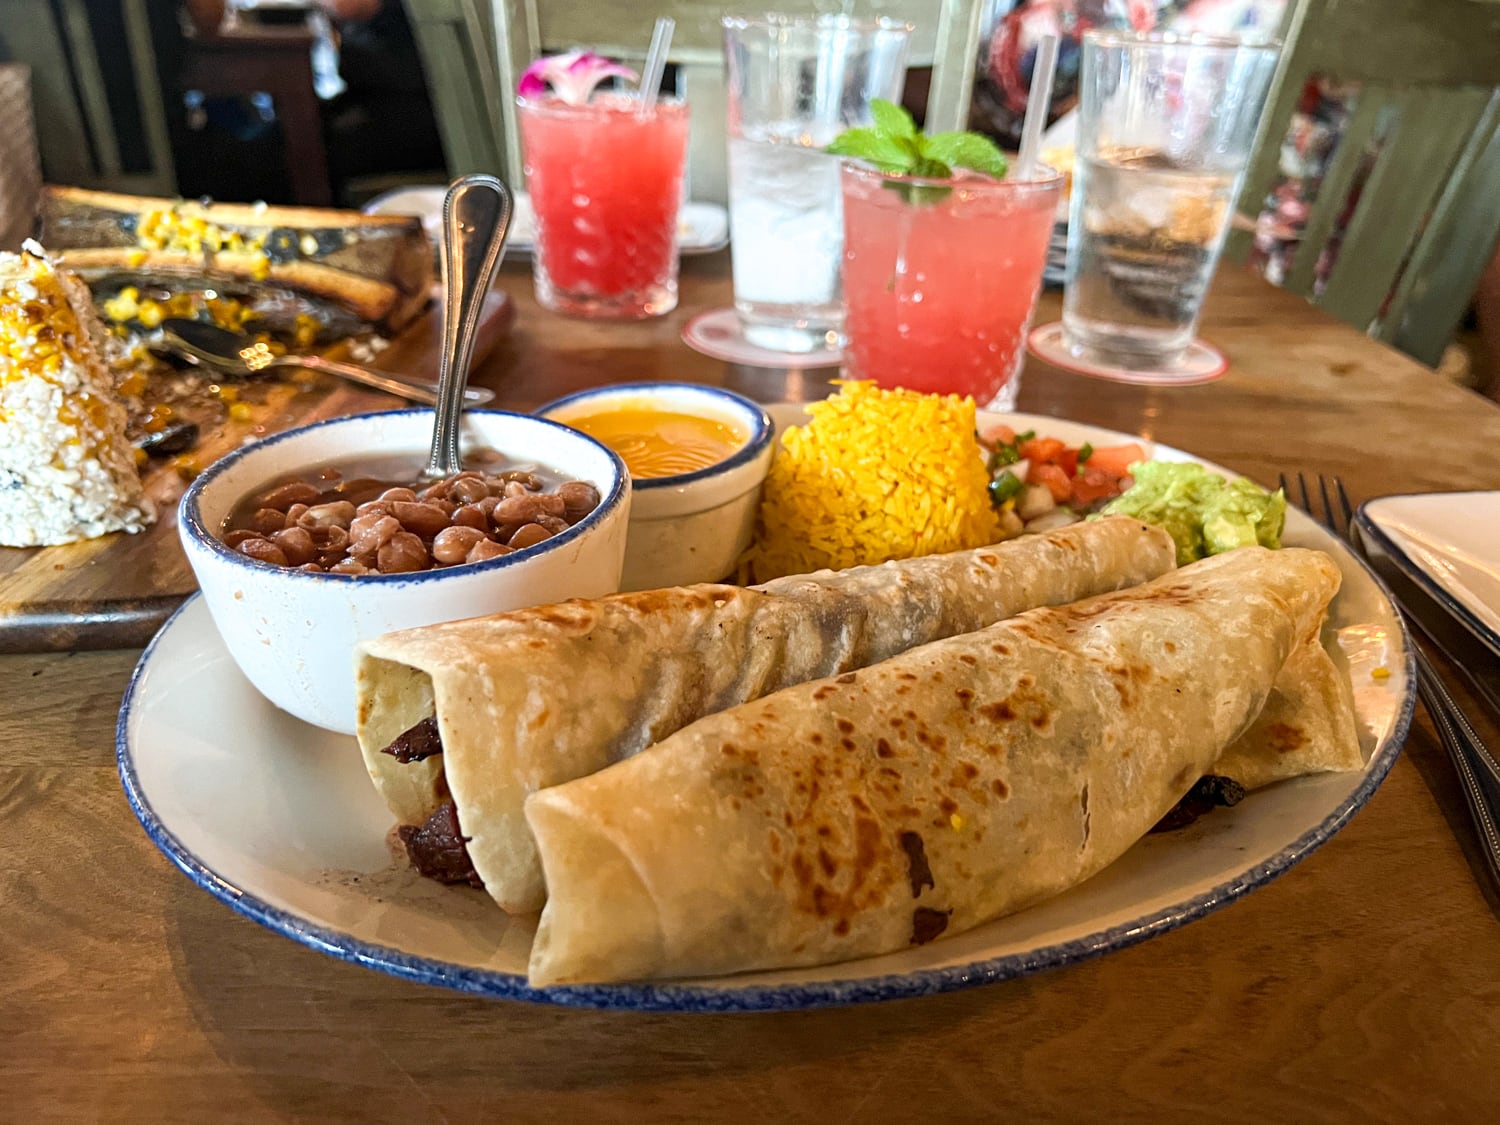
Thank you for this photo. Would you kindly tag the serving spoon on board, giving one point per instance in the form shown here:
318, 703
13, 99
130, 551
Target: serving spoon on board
237, 355
476, 218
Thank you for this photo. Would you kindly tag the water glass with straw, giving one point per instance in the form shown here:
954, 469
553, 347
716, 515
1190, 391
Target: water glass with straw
943, 255
605, 173
796, 82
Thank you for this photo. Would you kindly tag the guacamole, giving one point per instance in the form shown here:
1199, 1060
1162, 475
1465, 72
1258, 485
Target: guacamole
1204, 513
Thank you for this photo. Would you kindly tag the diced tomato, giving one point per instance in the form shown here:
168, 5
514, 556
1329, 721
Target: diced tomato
1093, 485
1115, 460
1041, 450
1057, 481
998, 434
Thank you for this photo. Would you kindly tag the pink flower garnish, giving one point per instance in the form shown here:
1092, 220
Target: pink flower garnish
1141, 14
572, 76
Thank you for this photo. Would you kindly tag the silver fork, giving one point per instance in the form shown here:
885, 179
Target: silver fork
1477, 771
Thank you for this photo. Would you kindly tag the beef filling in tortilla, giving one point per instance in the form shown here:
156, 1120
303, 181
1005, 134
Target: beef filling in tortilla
1210, 792
436, 849
416, 743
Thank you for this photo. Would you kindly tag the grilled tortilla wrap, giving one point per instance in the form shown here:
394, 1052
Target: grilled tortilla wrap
1307, 725
956, 782
534, 698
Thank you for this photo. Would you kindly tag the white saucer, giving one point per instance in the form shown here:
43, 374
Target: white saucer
1200, 362
720, 334
702, 228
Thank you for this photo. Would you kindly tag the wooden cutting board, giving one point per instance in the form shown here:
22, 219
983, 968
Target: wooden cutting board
115, 591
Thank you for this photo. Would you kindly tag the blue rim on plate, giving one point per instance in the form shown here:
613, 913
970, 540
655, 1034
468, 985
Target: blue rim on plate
190, 517
1371, 529
762, 429
699, 998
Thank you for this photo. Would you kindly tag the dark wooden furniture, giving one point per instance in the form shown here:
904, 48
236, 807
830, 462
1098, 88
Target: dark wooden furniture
278, 61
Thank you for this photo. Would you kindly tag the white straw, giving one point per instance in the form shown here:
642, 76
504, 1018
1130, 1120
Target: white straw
656, 62
1036, 106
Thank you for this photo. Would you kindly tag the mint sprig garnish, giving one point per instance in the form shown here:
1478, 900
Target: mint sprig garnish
894, 145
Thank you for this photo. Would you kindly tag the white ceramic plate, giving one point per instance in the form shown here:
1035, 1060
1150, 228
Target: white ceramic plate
702, 227
1449, 544
279, 820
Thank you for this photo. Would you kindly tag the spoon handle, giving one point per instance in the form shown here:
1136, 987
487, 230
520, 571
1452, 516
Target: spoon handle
476, 217
404, 386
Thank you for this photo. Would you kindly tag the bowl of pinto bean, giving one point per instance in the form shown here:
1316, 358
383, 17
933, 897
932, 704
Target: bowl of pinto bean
310, 541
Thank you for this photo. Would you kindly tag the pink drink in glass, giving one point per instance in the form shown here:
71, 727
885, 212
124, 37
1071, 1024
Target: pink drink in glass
941, 278
606, 187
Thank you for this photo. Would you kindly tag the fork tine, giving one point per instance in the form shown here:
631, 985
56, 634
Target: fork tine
1330, 514
1347, 508
1306, 504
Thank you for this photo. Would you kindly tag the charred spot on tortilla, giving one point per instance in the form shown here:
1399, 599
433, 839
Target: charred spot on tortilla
437, 848
1210, 792
1286, 738
416, 743
998, 712
917, 868
927, 924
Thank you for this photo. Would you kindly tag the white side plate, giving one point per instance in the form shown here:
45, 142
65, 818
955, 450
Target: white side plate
1449, 544
702, 228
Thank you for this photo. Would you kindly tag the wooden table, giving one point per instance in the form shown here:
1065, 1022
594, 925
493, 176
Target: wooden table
1363, 986
276, 60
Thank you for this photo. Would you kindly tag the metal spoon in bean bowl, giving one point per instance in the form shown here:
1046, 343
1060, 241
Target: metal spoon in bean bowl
476, 218
235, 354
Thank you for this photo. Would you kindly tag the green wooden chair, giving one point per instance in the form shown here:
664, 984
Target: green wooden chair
474, 101
456, 39
1428, 212
75, 109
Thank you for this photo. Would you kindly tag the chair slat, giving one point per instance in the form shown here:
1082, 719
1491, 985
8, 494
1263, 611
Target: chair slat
1453, 251
1348, 157
1414, 162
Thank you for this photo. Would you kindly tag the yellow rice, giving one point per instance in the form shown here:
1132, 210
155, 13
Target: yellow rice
875, 475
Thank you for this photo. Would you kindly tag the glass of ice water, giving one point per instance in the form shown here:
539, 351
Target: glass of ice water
795, 83
1166, 125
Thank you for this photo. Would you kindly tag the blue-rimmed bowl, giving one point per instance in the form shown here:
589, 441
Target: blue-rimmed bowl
692, 527
293, 634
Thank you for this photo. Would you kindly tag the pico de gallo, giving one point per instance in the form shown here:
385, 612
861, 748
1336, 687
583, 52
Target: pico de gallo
1037, 483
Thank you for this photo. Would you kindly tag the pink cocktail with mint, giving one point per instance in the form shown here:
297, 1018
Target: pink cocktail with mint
605, 181
943, 257
941, 277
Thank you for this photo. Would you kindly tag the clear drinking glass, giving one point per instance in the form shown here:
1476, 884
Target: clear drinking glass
606, 186
795, 83
1165, 128
941, 278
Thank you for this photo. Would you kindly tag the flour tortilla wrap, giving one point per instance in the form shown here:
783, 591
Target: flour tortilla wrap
534, 698
1307, 725
954, 783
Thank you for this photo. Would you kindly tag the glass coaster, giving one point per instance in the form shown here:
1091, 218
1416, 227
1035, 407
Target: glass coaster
720, 334
1200, 362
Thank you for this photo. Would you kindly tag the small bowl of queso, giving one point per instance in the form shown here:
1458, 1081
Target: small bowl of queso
697, 457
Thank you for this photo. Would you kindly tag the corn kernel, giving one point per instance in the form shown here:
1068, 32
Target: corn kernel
1381, 673
241, 412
